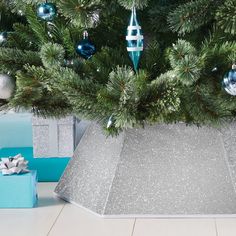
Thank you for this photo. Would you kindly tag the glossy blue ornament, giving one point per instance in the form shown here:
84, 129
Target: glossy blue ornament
85, 47
229, 81
46, 11
134, 39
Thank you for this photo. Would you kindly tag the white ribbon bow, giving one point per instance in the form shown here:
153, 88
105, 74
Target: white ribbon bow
13, 165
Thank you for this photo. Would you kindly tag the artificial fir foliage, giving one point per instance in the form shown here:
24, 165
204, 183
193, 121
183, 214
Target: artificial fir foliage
188, 47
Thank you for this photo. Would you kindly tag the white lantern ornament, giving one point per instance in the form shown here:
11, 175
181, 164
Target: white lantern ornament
7, 86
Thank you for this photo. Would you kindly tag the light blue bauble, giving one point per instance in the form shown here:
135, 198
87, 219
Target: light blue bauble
46, 11
134, 39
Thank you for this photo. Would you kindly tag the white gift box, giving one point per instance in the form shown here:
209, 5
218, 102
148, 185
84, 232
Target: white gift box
56, 137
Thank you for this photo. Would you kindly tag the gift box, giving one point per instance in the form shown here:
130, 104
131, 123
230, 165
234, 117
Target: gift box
56, 137
18, 190
48, 169
16, 137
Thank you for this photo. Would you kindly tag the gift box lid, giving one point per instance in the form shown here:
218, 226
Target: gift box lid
69, 120
32, 173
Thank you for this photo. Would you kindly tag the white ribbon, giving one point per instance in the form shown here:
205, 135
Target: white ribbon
134, 37
13, 165
134, 49
134, 27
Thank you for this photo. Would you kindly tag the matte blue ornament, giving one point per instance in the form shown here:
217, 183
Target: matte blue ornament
134, 39
46, 11
85, 47
229, 81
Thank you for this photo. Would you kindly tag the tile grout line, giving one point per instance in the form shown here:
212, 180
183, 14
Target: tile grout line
216, 228
132, 234
56, 219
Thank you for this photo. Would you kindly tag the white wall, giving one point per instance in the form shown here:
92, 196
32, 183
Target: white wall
15, 130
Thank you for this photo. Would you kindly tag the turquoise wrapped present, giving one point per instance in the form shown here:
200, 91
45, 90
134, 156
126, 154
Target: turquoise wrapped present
16, 137
18, 191
48, 169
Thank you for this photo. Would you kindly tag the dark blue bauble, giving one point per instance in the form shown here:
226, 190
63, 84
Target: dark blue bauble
229, 82
46, 11
86, 48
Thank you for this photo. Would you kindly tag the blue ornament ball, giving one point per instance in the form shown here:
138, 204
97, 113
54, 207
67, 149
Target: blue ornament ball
46, 11
85, 48
229, 81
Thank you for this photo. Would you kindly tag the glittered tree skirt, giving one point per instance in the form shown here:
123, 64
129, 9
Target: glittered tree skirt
162, 170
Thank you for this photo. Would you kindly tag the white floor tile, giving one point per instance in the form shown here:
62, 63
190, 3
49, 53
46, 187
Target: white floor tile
32, 222
174, 227
76, 221
226, 227
50, 216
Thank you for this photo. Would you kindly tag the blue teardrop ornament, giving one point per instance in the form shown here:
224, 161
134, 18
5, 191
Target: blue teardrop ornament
134, 39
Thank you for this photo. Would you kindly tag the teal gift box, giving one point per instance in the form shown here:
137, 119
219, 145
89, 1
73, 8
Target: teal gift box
16, 137
18, 191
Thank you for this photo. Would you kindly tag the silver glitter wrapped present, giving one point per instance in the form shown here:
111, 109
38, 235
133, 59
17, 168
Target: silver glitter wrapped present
56, 137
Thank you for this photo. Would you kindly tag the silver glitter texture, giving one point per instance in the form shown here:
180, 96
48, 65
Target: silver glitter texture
161, 170
56, 137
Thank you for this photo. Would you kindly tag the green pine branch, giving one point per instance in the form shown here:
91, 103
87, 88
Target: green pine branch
225, 17
192, 15
179, 79
83, 13
128, 4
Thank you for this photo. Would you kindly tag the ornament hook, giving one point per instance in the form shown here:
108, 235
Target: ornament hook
85, 34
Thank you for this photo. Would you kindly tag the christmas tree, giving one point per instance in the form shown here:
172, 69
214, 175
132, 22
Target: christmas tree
188, 48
